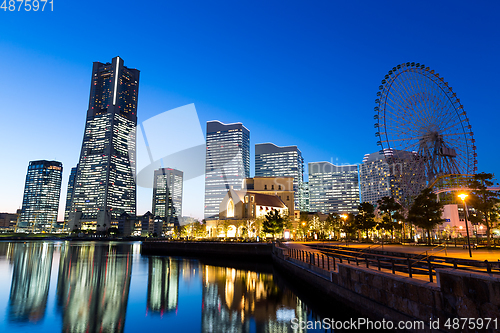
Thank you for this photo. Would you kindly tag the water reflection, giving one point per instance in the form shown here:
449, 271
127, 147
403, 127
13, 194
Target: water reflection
93, 287
29, 290
163, 285
233, 299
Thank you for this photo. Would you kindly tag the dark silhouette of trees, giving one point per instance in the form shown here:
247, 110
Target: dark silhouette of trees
484, 201
365, 220
391, 211
426, 212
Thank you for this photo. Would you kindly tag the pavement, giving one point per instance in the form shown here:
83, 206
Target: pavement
481, 254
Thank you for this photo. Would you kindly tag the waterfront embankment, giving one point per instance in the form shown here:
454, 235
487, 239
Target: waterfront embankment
229, 250
455, 293
376, 294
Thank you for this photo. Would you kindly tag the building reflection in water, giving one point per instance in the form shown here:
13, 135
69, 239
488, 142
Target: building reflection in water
232, 297
30, 280
163, 285
93, 287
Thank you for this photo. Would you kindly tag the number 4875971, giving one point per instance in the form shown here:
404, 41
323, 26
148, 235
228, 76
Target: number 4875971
26, 5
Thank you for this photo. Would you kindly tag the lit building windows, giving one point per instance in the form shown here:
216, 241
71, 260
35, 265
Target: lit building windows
41, 196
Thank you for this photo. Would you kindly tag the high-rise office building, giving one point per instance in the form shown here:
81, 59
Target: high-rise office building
227, 162
69, 193
390, 173
105, 186
332, 188
167, 194
41, 196
274, 161
375, 178
304, 199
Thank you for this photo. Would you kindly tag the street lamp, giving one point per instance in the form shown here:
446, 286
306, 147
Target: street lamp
463, 196
344, 217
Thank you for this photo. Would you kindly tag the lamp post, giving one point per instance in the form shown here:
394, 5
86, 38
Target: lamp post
463, 196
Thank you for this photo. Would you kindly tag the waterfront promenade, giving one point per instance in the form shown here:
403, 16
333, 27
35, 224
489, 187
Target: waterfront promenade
397, 286
481, 254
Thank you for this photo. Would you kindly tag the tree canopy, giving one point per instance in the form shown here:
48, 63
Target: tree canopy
426, 212
365, 220
273, 223
484, 201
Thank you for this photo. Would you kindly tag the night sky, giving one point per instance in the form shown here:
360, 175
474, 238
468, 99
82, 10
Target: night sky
293, 72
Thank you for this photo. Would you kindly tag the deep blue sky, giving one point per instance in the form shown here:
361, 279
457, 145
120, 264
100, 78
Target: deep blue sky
293, 72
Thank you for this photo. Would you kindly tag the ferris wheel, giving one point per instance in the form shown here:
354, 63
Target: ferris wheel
422, 127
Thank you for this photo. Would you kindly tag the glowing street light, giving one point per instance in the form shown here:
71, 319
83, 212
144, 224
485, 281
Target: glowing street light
344, 217
463, 196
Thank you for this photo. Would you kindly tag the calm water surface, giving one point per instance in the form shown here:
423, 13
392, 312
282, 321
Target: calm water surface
111, 287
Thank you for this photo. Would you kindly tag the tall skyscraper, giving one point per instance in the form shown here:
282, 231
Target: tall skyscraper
105, 186
167, 194
41, 196
274, 161
332, 188
227, 162
69, 193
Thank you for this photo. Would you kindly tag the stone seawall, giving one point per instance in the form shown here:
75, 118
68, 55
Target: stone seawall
246, 251
381, 295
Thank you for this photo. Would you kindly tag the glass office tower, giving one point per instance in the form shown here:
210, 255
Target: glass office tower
167, 194
304, 199
227, 162
332, 188
69, 193
41, 196
274, 161
105, 186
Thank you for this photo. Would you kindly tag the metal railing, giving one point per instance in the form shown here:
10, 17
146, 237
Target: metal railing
412, 265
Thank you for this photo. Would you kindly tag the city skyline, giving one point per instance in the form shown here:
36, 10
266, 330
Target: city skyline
319, 79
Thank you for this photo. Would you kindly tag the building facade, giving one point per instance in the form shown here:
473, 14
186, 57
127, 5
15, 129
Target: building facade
391, 173
167, 194
227, 162
41, 196
332, 188
104, 184
274, 161
8, 221
282, 187
375, 178
69, 193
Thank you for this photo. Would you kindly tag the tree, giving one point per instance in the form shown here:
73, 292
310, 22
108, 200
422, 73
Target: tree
274, 223
250, 228
391, 210
349, 225
365, 220
426, 212
484, 200
333, 224
304, 224
316, 225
